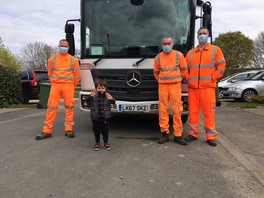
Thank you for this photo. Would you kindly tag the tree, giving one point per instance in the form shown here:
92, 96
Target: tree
35, 55
259, 51
7, 58
237, 49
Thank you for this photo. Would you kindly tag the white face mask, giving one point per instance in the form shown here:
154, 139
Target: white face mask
202, 38
166, 48
63, 50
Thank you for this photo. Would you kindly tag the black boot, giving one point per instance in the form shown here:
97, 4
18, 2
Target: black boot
179, 140
190, 138
164, 138
211, 142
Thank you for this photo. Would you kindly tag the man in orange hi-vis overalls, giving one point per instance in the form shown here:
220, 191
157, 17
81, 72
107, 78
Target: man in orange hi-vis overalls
169, 67
64, 75
206, 64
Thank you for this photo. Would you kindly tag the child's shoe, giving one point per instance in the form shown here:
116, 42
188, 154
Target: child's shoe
97, 147
107, 146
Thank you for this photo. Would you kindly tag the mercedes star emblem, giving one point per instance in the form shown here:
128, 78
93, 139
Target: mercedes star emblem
133, 78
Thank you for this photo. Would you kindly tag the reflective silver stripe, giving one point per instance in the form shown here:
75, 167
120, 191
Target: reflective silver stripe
183, 68
50, 67
59, 69
193, 132
205, 78
76, 69
212, 57
201, 65
69, 123
71, 59
156, 71
213, 107
169, 68
52, 107
77, 77
63, 69
169, 77
69, 107
219, 61
220, 70
48, 125
193, 78
201, 78
177, 59
158, 57
194, 126
63, 77
211, 132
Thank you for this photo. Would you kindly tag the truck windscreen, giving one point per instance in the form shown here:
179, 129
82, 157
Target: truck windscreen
116, 28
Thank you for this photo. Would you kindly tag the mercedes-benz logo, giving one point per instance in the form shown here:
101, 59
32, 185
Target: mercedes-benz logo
133, 78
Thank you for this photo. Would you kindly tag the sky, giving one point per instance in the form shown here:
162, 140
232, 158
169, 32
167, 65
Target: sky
23, 22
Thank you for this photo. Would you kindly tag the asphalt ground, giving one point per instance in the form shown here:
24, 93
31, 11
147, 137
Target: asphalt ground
136, 166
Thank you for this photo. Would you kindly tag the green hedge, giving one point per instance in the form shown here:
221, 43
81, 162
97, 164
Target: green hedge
10, 87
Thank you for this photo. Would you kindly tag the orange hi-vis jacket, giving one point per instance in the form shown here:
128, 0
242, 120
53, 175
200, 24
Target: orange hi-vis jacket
169, 68
205, 67
64, 68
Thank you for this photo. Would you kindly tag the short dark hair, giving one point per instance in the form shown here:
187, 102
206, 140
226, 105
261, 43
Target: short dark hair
100, 82
203, 28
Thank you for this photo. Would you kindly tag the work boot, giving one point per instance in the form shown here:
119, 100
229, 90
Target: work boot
164, 138
190, 138
43, 136
211, 142
179, 140
69, 134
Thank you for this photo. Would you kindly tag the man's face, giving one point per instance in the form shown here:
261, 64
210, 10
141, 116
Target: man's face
203, 32
64, 44
167, 41
100, 89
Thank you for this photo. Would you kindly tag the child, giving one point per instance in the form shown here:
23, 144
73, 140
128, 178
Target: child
100, 102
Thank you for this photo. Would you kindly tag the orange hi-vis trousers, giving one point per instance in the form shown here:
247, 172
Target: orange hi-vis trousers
170, 93
67, 93
204, 99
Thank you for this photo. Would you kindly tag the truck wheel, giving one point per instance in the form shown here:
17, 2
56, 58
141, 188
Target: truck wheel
184, 118
248, 94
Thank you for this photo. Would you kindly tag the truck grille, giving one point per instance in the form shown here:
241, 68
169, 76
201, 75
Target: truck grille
119, 87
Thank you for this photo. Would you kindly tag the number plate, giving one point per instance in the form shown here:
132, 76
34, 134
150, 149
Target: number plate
136, 108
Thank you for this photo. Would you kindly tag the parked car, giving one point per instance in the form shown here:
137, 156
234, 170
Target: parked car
244, 90
241, 76
30, 83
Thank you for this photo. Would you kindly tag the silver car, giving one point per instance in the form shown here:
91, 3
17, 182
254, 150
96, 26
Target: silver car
244, 90
241, 76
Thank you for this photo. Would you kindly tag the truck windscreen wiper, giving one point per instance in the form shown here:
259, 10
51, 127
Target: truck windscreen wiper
99, 59
135, 64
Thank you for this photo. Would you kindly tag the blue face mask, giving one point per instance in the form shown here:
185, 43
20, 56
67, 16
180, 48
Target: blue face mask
166, 48
63, 50
202, 38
